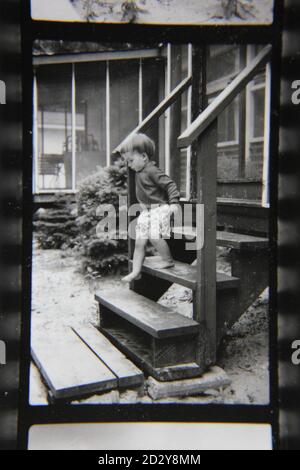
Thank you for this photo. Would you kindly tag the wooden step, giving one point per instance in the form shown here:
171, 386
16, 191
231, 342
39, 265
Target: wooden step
130, 343
69, 368
127, 373
227, 239
156, 320
184, 274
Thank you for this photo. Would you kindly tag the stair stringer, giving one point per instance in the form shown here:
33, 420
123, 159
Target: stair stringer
252, 269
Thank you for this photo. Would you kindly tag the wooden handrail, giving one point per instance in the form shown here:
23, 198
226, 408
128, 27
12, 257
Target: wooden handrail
159, 110
224, 99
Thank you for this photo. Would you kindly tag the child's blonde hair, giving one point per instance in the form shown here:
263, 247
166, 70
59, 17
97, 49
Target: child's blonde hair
140, 143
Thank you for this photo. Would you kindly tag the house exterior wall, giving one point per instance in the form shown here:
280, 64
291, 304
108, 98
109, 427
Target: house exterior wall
95, 104
240, 149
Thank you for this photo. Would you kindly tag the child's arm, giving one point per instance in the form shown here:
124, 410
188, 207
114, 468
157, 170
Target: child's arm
164, 182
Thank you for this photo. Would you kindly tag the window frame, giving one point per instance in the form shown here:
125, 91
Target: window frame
217, 86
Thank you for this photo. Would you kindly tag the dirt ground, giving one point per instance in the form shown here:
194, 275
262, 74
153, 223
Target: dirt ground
62, 297
178, 11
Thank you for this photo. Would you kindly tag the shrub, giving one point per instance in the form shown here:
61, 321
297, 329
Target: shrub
101, 252
56, 227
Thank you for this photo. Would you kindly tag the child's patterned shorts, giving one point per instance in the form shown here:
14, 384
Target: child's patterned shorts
154, 223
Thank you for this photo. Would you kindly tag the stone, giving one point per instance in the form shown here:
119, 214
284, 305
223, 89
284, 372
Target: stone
215, 378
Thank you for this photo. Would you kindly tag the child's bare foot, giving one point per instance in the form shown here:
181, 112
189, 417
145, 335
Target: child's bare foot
131, 277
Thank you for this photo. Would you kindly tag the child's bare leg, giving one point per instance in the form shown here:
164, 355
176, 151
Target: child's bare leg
138, 259
164, 251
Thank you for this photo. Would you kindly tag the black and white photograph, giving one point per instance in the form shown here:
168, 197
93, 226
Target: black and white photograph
149, 227
150, 257
188, 12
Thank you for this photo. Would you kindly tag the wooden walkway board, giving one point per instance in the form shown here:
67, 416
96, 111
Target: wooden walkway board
155, 319
69, 367
125, 371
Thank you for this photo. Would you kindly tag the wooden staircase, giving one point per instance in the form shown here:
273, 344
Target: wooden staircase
150, 334
161, 341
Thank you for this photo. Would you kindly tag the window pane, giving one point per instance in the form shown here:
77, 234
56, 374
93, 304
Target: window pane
184, 121
221, 62
228, 124
90, 79
258, 112
124, 102
183, 170
54, 83
261, 77
184, 60
151, 73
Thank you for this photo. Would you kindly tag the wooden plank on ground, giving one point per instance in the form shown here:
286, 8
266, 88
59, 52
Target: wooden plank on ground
69, 367
155, 319
125, 371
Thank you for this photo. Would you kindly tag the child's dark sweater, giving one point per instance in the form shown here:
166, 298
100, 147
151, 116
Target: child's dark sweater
155, 187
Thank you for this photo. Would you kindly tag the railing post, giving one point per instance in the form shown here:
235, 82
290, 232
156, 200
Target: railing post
199, 102
131, 199
242, 120
205, 296
175, 115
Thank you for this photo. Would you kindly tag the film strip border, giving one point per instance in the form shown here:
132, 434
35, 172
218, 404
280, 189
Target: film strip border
289, 232
10, 219
11, 226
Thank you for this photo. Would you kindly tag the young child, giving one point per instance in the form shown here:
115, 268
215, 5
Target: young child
159, 197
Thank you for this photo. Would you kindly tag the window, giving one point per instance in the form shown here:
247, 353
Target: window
54, 127
241, 126
228, 124
90, 86
223, 64
124, 100
185, 153
255, 128
258, 99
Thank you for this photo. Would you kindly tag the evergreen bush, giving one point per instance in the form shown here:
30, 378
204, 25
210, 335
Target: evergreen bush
102, 252
56, 227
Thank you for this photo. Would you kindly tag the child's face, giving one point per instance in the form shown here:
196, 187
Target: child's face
137, 161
